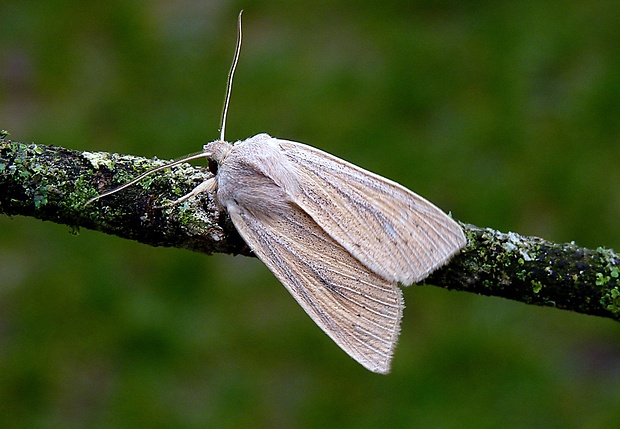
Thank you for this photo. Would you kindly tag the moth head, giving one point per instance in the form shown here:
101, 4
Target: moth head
216, 152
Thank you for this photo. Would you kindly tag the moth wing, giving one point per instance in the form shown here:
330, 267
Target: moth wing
358, 309
393, 231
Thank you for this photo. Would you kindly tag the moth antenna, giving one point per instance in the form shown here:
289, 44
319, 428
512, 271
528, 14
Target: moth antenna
148, 173
198, 155
231, 75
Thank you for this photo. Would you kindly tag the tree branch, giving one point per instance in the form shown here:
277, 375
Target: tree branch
53, 183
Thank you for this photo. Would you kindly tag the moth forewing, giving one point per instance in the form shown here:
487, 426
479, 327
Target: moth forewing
389, 228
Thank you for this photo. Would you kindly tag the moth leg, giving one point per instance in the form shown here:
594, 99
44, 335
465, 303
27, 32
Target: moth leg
209, 185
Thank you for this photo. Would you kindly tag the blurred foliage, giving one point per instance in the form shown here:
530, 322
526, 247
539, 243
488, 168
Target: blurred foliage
505, 113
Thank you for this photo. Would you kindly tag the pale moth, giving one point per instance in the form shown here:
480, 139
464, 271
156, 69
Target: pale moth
338, 237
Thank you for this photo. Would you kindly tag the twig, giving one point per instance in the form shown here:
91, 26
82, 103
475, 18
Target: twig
53, 183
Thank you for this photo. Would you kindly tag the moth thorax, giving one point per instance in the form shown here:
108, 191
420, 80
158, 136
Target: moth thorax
216, 152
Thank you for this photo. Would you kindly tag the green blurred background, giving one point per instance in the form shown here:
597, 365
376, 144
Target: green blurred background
505, 113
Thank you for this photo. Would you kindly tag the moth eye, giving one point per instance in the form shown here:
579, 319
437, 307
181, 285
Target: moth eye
213, 167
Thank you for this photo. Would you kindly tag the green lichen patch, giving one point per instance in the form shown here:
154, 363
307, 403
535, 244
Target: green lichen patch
99, 159
611, 300
40, 196
602, 279
536, 286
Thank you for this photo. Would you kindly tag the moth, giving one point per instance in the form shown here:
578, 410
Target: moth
338, 237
